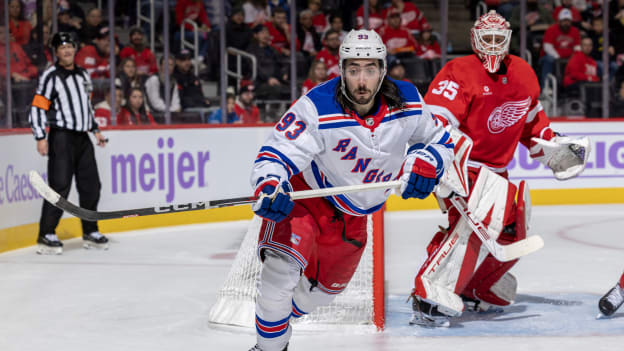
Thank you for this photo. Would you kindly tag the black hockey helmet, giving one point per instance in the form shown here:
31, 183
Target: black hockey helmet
61, 38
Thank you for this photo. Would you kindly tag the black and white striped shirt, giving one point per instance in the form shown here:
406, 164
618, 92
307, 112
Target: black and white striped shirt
63, 97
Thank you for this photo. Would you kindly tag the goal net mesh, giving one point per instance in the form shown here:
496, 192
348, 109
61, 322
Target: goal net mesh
235, 303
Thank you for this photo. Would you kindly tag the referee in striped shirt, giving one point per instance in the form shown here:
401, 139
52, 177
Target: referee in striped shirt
62, 101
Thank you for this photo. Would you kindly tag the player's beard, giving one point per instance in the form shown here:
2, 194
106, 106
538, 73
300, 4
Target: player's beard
361, 99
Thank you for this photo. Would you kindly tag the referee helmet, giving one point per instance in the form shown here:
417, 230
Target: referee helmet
61, 38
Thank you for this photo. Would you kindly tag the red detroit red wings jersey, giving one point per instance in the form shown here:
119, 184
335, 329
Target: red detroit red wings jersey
496, 110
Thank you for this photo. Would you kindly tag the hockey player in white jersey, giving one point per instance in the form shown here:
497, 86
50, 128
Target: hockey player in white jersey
351, 130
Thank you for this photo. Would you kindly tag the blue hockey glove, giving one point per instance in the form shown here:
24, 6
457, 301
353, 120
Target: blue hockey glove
273, 203
420, 174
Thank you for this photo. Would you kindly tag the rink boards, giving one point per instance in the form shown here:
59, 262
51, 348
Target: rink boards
179, 164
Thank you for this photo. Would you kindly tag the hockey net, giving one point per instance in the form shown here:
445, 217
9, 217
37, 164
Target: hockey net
362, 302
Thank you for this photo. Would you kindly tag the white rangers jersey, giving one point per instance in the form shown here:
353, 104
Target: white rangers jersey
329, 147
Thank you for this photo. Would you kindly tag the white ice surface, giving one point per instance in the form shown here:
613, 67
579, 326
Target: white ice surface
152, 290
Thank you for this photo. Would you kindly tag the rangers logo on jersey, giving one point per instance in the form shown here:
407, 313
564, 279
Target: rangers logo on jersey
507, 114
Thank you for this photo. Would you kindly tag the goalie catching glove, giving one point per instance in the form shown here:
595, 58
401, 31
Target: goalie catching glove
274, 202
564, 155
421, 172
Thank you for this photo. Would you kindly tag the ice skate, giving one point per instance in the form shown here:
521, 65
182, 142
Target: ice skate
427, 315
611, 301
49, 244
94, 240
480, 306
257, 348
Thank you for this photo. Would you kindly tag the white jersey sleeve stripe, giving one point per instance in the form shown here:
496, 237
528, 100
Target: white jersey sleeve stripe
444, 112
531, 115
268, 153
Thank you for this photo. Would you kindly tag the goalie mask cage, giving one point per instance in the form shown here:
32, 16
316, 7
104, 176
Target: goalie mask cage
362, 302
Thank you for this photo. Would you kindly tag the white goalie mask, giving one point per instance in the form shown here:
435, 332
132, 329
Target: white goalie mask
362, 44
490, 38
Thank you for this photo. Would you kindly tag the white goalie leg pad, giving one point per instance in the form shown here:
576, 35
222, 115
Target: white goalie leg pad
307, 299
506, 287
279, 276
440, 277
566, 156
441, 272
489, 196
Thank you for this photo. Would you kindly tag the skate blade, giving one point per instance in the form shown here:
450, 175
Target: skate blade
91, 245
430, 324
46, 250
602, 316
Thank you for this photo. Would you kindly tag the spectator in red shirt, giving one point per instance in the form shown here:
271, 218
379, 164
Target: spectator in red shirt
560, 41
94, 58
142, 55
329, 54
20, 28
318, 17
245, 107
193, 10
316, 76
567, 4
427, 47
375, 16
581, 67
103, 108
411, 17
21, 68
134, 111
279, 30
398, 40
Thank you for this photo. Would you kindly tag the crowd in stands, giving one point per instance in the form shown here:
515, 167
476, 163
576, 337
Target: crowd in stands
564, 39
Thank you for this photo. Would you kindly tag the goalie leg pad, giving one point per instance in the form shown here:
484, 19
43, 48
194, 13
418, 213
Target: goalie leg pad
438, 276
492, 283
453, 261
279, 276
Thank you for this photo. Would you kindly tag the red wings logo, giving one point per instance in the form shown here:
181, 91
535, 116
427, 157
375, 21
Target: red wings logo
507, 114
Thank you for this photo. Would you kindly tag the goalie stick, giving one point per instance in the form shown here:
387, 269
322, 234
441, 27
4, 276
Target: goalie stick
502, 253
57, 200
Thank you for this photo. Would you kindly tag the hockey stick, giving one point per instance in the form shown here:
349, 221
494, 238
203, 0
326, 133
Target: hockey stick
57, 200
502, 253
